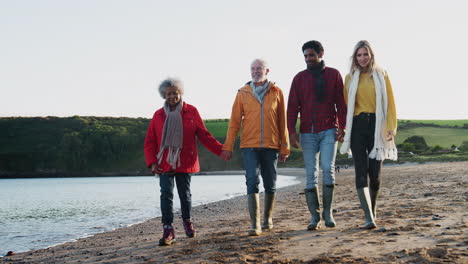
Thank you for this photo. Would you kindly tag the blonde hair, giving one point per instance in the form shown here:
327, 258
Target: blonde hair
354, 63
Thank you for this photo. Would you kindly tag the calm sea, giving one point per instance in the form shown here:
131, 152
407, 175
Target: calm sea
38, 213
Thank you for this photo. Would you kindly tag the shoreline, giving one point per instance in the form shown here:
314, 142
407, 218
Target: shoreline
145, 173
411, 233
114, 222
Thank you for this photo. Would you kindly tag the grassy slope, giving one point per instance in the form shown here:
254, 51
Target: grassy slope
455, 122
37, 140
444, 137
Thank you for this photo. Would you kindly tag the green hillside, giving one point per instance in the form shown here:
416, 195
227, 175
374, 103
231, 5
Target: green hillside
87, 146
444, 137
450, 123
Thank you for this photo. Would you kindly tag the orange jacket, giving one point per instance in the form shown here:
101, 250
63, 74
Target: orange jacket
262, 127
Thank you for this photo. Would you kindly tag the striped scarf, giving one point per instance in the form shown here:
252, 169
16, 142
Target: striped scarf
172, 135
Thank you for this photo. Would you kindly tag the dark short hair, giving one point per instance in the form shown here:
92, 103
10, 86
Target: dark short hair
313, 44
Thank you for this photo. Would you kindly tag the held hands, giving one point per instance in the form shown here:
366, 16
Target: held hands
294, 140
282, 158
226, 155
340, 134
155, 169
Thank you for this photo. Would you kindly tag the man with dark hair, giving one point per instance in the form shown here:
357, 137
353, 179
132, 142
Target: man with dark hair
317, 94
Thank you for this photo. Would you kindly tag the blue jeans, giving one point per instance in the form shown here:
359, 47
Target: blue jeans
313, 144
263, 161
166, 182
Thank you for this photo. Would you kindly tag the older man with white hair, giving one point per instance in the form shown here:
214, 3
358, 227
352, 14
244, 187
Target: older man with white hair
259, 110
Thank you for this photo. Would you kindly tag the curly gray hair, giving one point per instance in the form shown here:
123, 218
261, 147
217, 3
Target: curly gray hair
170, 82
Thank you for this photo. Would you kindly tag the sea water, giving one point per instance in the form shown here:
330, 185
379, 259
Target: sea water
38, 213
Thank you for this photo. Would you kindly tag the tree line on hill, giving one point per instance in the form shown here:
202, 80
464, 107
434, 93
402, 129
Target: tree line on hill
81, 146
90, 146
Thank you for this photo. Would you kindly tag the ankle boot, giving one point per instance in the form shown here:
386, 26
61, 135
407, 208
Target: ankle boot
269, 206
327, 214
312, 198
254, 210
364, 198
374, 194
168, 236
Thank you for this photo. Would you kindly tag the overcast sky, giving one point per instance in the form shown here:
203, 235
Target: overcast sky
107, 57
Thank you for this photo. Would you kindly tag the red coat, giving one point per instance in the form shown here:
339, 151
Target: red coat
193, 128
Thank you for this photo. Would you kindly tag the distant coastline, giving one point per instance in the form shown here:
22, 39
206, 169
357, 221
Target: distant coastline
89, 146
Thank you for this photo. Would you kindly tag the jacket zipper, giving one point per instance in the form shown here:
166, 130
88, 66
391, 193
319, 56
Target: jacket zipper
261, 116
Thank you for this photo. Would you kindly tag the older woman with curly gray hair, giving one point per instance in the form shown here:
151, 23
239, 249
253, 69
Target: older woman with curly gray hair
171, 152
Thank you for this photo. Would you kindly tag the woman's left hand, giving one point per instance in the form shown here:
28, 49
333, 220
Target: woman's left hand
390, 135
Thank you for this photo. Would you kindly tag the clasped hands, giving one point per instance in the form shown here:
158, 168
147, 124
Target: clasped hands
227, 155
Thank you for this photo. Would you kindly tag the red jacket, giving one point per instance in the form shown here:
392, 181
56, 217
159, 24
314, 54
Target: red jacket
193, 128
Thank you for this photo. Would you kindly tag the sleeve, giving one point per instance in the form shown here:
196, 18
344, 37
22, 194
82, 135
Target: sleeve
340, 102
293, 107
391, 109
345, 88
151, 143
205, 137
234, 123
283, 130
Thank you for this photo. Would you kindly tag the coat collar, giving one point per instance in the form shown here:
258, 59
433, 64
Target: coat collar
184, 109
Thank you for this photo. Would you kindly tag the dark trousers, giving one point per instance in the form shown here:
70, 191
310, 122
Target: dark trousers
362, 142
166, 182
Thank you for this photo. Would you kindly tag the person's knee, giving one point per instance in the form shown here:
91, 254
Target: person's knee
361, 182
166, 194
271, 188
327, 169
329, 181
375, 185
252, 186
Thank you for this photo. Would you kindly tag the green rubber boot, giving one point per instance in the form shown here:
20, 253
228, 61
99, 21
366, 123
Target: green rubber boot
269, 207
374, 194
312, 198
254, 211
327, 214
364, 198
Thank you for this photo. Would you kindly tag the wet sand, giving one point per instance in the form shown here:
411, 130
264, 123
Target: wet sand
421, 218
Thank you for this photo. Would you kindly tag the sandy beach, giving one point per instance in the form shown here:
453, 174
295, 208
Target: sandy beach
421, 218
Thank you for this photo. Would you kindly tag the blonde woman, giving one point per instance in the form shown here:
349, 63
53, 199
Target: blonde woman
371, 125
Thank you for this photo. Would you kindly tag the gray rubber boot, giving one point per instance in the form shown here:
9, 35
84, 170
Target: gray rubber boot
327, 214
374, 194
364, 198
254, 210
269, 207
312, 198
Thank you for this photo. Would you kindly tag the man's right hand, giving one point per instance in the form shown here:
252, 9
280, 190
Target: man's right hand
294, 140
